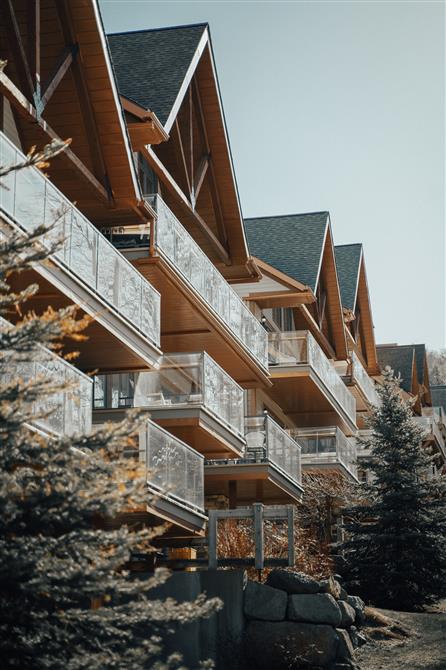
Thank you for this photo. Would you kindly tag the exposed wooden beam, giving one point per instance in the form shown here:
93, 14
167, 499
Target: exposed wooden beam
173, 187
25, 109
191, 144
99, 168
33, 14
212, 181
18, 50
66, 59
201, 174
315, 331
180, 153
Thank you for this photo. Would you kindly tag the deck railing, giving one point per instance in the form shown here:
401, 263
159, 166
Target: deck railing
180, 249
30, 199
267, 441
182, 381
67, 411
325, 446
174, 469
299, 348
431, 426
363, 380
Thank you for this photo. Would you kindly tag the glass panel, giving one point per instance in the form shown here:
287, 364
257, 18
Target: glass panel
83, 249
362, 378
174, 468
58, 215
30, 197
327, 445
283, 450
182, 250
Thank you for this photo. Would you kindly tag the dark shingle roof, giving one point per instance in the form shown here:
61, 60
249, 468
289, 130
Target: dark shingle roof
150, 65
439, 396
291, 243
420, 357
400, 359
348, 257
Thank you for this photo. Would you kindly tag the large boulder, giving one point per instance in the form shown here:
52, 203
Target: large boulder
290, 646
359, 606
332, 587
292, 582
314, 608
345, 648
348, 614
265, 603
343, 594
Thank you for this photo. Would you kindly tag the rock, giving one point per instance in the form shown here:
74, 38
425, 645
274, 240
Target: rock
348, 614
290, 646
357, 638
359, 606
265, 603
345, 648
332, 587
314, 608
343, 595
338, 579
292, 582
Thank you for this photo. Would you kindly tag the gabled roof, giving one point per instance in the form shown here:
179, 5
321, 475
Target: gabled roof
400, 359
151, 65
420, 357
348, 265
291, 243
438, 392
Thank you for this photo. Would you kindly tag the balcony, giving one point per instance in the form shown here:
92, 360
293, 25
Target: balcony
327, 449
199, 307
174, 476
268, 472
305, 383
363, 387
68, 411
87, 269
434, 428
190, 395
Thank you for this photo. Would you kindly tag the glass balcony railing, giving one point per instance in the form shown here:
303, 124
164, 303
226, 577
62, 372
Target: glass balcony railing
67, 411
174, 469
361, 377
182, 381
431, 426
325, 446
181, 250
30, 199
296, 348
267, 442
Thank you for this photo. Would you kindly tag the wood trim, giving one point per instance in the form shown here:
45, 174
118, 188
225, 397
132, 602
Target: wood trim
201, 174
293, 297
33, 12
180, 153
173, 187
28, 111
273, 272
318, 336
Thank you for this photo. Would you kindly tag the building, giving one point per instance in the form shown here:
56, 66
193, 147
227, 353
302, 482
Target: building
249, 342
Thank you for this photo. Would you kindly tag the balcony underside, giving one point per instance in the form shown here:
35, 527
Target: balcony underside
328, 466
247, 483
193, 425
182, 519
189, 324
306, 400
112, 343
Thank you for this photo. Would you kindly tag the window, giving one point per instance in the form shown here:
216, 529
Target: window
283, 317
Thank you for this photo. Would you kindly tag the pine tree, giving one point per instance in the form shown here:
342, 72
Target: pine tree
61, 547
396, 553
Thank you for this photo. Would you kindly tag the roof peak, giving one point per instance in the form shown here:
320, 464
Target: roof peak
205, 24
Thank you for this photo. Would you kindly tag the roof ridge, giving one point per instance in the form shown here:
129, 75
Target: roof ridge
156, 30
282, 216
401, 346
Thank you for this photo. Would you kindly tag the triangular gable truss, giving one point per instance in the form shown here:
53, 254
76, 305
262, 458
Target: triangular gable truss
60, 84
195, 171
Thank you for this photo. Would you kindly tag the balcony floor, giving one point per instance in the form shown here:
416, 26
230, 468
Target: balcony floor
247, 483
189, 324
329, 466
305, 399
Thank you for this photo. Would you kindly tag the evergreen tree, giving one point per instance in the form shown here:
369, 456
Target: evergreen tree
396, 552
61, 545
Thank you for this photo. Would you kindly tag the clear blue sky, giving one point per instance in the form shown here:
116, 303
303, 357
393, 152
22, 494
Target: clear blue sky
338, 106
